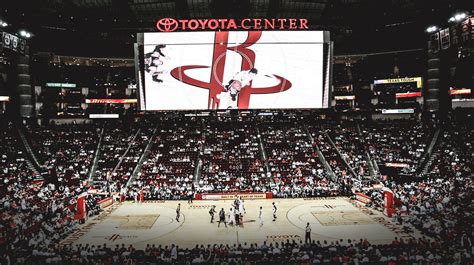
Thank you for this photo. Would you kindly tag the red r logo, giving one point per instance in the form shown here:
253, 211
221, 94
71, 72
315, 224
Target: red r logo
217, 71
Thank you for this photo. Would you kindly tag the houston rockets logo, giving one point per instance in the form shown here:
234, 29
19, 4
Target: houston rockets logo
215, 85
115, 237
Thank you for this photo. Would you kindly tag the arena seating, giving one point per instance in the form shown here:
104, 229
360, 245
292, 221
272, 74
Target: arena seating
12, 160
70, 148
360, 251
130, 159
348, 141
294, 163
453, 157
116, 139
34, 212
398, 142
169, 169
229, 155
330, 154
231, 159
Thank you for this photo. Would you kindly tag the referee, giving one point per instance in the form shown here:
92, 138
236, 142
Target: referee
307, 236
178, 212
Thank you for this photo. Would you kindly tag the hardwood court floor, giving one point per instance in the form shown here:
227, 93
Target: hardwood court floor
154, 223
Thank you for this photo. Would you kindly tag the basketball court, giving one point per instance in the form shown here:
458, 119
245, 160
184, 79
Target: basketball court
153, 222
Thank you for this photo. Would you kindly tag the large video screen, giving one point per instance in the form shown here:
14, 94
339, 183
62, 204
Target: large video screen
233, 70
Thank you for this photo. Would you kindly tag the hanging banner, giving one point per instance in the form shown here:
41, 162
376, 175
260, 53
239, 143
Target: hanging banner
14, 43
445, 39
433, 44
467, 30
455, 32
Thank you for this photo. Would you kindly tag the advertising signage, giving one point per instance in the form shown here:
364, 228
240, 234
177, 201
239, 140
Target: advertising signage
60, 85
418, 81
111, 101
171, 24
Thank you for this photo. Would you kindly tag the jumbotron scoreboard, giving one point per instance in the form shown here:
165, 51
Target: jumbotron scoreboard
238, 69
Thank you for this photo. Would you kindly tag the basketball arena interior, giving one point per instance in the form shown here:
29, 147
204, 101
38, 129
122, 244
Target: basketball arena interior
236, 132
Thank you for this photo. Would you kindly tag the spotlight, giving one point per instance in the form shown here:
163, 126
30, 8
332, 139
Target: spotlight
25, 34
3, 24
431, 29
457, 17
460, 17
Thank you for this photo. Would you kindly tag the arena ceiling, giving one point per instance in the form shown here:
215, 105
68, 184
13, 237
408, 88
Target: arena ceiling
108, 27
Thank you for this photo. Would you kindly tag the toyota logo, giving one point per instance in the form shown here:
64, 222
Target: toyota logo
167, 24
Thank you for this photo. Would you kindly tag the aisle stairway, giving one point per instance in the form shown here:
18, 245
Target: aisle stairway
198, 168
429, 156
96, 155
373, 167
321, 157
126, 151
351, 170
264, 157
30, 158
143, 158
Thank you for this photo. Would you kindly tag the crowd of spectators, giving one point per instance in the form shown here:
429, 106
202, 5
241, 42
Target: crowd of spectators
168, 173
127, 164
115, 142
68, 148
454, 155
295, 166
231, 159
402, 142
330, 154
399, 251
35, 213
278, 157
351, 146
440, 204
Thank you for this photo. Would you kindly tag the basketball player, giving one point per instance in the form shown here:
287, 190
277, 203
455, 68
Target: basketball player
237, 215
307, 236
243, 78
228, 98
236, 203
222, 218
153, 61
190, 197
260, 216
241, 206
178, 212
231, 217
212, 211
274, 210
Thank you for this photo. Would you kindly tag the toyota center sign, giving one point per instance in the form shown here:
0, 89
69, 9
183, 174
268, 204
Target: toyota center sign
171, 24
